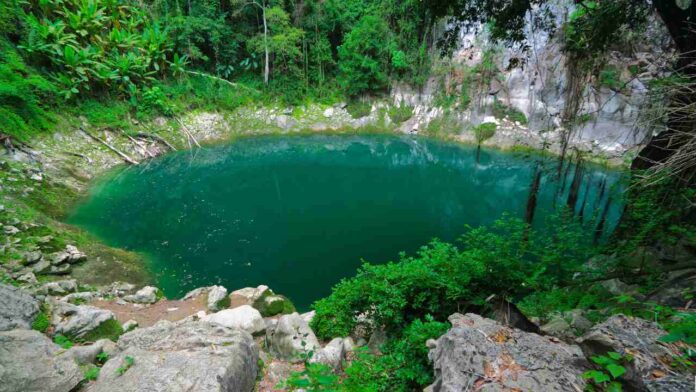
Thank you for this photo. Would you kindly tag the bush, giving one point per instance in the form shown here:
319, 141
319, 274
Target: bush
358, 109
512, 114
442, 278
401, 113
41, 322
109, 329
609, 77
447, 124
403, 365
484, 131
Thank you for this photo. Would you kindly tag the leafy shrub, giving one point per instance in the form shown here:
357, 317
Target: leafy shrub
611, 368
503, 111
403, 364
357, 108
401, 113
447, 124
610, 77
91, 373
442, 278
63, 341
682, 328
484, 131
315, 377
41, 322
109, 329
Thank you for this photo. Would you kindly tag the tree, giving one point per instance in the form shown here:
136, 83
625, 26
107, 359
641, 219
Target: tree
282, 42
364, 56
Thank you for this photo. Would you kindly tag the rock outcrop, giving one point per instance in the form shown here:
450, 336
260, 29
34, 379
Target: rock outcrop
178, 357
481, 354
146, 295
79, 321
30, 362
18, 308
244, 317
648, 370
291, 337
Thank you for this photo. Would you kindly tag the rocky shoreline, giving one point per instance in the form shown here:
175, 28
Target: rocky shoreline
252, 339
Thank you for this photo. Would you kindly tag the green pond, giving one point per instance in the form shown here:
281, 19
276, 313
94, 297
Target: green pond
298, 213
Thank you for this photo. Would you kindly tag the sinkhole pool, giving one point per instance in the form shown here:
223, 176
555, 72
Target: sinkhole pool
298, 213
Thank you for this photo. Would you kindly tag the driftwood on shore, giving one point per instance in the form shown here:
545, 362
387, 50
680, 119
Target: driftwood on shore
110, 147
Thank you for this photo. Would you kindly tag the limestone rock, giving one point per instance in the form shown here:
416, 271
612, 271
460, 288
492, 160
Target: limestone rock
81, 296
32, 257
30, 362
146, 295
480, 351
70, 255
274, 304
291, 338
28, 278
332, 355
638, 337
248, 295
244, 317
78, 320
18, 309
119, 289
130, 325
182, 357
60, 287
217, 298
87, 354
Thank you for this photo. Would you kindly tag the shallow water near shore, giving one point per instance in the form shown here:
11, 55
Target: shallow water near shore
299, 213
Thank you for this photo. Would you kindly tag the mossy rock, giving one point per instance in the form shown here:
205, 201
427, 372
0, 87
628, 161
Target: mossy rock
109, 329
273, 304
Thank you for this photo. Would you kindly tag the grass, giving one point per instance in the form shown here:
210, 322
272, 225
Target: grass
109, 329
502, 111
399, 114
41, 322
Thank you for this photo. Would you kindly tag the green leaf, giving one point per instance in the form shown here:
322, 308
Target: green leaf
614, 386
614, 355
616, 370
597, 376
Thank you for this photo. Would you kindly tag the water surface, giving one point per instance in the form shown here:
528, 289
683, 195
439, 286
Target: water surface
298, 213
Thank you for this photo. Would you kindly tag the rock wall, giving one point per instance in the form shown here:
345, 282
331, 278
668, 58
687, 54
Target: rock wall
537, 81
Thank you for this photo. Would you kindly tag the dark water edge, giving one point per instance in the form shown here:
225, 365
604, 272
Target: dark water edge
299, 213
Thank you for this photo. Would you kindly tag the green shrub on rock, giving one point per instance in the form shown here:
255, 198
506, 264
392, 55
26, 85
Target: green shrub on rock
109, 329
273, 304
41, 322
484, 131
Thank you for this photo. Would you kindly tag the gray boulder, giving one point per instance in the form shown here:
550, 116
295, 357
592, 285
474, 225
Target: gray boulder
87, 354
639, 338
178, 357
18, 309
244, 317
79, 321
30, 362
332, 354
60, 287
217, 298
70, 255
291, 338
481, 354
146, 295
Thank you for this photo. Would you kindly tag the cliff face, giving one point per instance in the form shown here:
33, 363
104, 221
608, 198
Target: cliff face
539, 80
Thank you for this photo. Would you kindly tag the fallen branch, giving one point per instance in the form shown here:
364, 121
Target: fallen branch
188, 133
205, 75
155, 137
112, 148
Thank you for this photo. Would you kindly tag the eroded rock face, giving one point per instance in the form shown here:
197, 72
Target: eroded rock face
78, 320
291, 337
30, 362
481, 354
639, 338
217, 298
178, 357
18, 309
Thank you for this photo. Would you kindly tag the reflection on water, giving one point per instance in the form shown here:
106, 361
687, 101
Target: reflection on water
300, 213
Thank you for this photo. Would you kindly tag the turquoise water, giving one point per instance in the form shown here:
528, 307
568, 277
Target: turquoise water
298, 213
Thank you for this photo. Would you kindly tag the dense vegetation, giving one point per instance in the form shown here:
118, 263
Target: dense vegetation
109, 59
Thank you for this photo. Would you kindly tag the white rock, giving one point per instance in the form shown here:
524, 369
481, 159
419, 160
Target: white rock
146, 295
244, 317
331, 355
291, 338
216, 298
129, 325
77, 320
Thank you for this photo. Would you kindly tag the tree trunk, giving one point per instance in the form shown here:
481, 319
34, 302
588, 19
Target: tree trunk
266, 70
